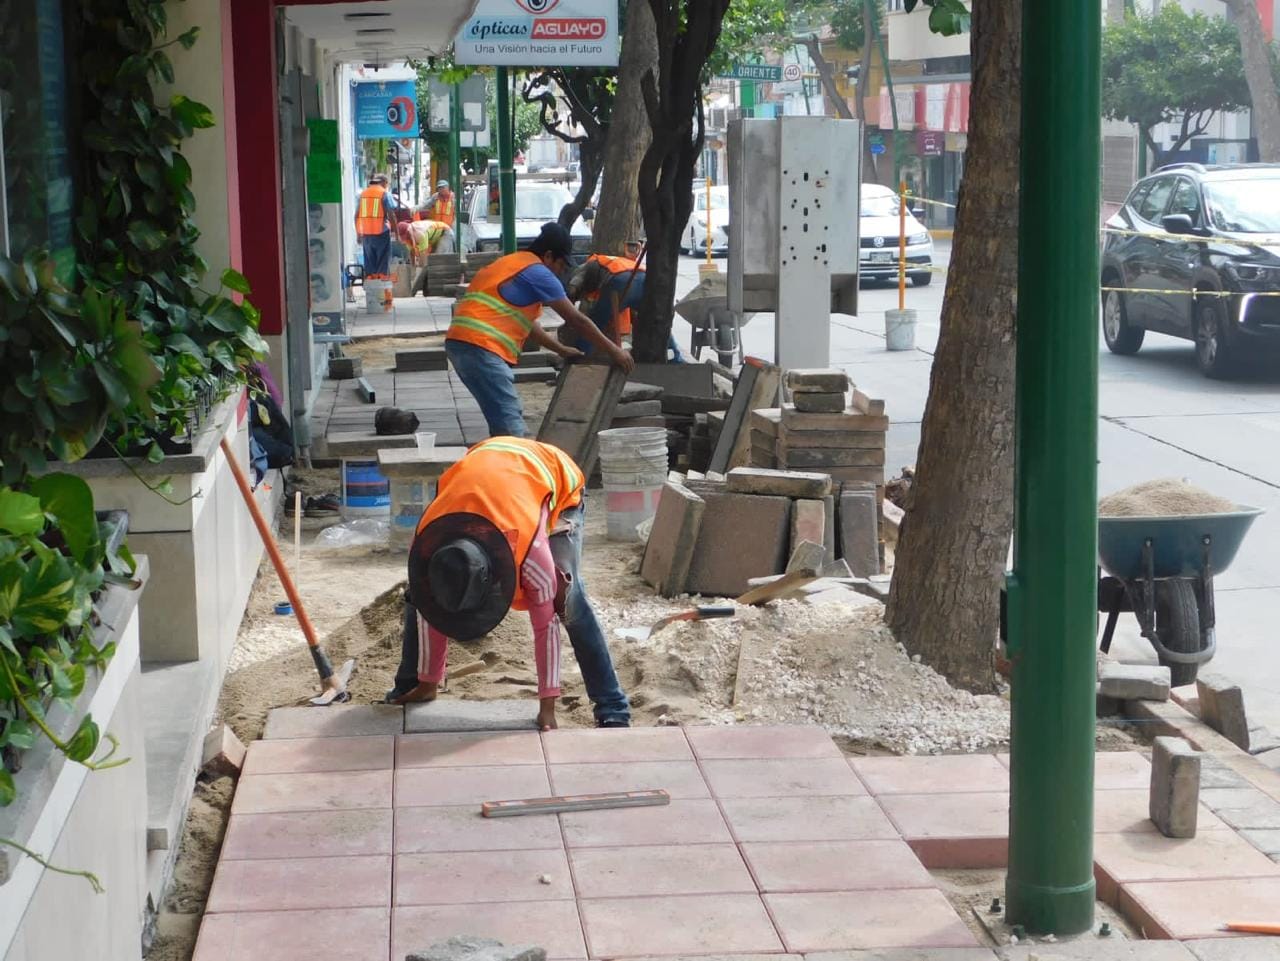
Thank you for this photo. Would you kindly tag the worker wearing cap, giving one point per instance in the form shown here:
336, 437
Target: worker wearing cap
441, 205
373, 226
500, 311
611, 287
505, 531
423, 238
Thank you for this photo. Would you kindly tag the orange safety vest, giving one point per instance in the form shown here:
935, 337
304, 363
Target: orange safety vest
371, 218
443, 210
617, 265
483, 318
508, 480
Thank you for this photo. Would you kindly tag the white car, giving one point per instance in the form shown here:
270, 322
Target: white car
536, 203
695, 237
879, 232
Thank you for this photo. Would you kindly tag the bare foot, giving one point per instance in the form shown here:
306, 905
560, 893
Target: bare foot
547, 715
425, 691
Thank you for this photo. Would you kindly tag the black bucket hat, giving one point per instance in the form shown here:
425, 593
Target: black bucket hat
462, 575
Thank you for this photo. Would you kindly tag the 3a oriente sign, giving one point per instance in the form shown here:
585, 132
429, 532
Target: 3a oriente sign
582, 33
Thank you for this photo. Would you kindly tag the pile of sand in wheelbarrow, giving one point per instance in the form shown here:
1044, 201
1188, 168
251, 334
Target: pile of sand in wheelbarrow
1169, 497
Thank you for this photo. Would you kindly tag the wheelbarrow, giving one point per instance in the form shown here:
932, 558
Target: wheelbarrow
1161, 569
706, 308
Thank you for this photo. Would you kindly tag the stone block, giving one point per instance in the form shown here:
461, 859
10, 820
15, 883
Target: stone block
809, 523
817, 380
724, 558
426, 358
873, 477
819, 403
448, 715
867, 405
669, 551
1175, 787
860, 532
795, 454
1222, 708
807, 556
638, 408
336, 720
477, 949
767, 421
223, 753
345, 368
793, 419
838, 439
829, 519
634, 391
691, 380
1134, 682
755, 480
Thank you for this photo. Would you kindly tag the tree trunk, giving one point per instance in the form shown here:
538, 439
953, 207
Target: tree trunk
618, 217
590, 158
953, 547
1262, 83
827, 77
687, 33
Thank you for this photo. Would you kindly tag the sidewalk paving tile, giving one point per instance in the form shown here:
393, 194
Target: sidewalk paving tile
1125, 858
1197, 909
416, 787
1121, 771
701, 924
818, 777
552, 925
680, 822
681, 779
660, 870
336, 720
292, 884
932, 775
307, 834
835, 866
639, 744
463, 828
468, 750
807, 819
867, 919
338, 790
475, 876
906, 954
300, 755
749, 742
356, 934
1096, 949
972, 815
1130, 810
1234, 949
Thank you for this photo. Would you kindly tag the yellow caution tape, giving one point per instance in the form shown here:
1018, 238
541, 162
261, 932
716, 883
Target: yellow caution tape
1188, 239
1192, 293
926, 200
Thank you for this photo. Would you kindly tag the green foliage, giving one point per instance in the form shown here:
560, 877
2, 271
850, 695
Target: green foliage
528, 123
1174, 67
846, 21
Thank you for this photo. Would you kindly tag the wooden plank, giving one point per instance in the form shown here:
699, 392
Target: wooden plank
757, 385
576, 802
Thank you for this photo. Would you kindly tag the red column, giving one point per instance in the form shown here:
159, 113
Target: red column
253, 135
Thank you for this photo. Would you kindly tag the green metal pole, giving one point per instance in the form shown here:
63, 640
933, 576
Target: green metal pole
1053, 587
455, 148
506, 164
748, 88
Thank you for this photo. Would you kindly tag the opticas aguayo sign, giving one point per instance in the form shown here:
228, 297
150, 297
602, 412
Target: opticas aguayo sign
534, 33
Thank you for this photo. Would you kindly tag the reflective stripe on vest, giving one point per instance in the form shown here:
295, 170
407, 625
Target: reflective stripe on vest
444, 210
483, 318
371, 217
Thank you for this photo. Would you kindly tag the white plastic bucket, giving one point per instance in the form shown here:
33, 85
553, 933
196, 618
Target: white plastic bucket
900, 329
633, 466
377, 295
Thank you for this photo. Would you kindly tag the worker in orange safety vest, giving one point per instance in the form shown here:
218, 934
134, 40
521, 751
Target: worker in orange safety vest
441, 205
373, 226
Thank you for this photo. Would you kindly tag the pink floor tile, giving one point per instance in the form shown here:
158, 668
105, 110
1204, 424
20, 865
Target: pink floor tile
320, 754
422, 829
680, 822
1126, 858
417, 787
619, 745
1121, 771
474, 876
835, 866
818, 777
554, 925
681, 779
702, 924
356, 934
1198, 909
867, 919
1129, 810
660, 870
945, 774
949, 816
337, 791
807, 819
761, 742
292, 884
468, 750
307, 834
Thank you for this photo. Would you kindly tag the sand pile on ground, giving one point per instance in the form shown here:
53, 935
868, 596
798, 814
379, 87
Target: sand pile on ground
1163, 498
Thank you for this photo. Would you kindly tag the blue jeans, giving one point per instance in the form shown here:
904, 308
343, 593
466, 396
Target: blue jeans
492, 384
377, 253
608, 700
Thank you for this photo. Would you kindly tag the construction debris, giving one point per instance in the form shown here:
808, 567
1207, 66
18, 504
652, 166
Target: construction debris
669, 549
1133, 682
223, 753
723, 558
760, 480
756, 386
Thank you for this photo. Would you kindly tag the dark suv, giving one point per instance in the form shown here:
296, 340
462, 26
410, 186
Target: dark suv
1188, 228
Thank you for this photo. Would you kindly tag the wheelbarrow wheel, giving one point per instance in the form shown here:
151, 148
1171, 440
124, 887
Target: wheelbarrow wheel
1178, 625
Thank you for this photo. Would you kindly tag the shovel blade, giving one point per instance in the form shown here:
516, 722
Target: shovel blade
335, 686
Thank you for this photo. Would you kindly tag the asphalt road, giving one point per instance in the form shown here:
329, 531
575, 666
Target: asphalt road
1158, 418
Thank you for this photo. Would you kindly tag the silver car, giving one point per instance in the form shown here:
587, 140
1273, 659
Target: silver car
536, 203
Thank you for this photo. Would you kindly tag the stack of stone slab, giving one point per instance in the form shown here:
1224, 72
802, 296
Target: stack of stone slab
832, 427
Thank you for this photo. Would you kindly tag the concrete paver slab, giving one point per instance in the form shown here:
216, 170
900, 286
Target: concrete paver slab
300, 755
680, 822
1235, 949
468, 750
307, 834
807, 819
638, 744
681, 779
835, 866
1198, 909
780, 777
867, 919
463, 828
434, 787
449, 715
356, 934
475, 876
905, 954
749, 742
292, 884
332, 791
1126, 858
553, 925
336, 720
1092, 948
932, 775
1130, 810
678, 925
684, 869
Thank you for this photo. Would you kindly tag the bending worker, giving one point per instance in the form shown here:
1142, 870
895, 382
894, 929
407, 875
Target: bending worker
505, 531
611, 288
440, 206
373, 226
423, 238
500, 311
